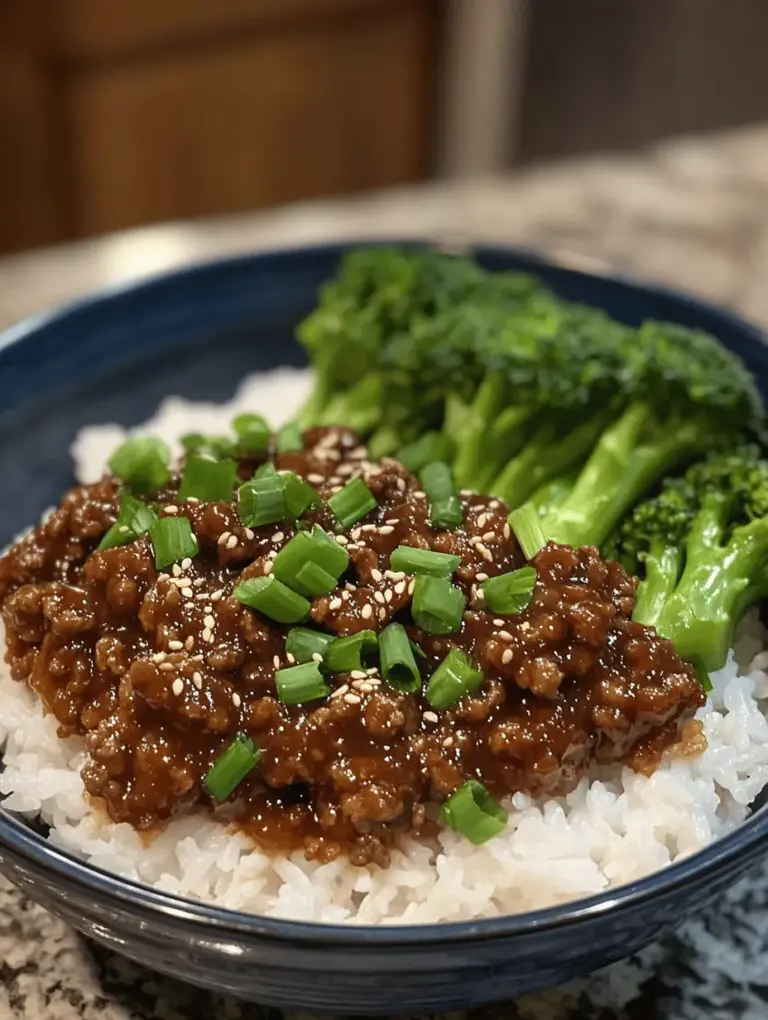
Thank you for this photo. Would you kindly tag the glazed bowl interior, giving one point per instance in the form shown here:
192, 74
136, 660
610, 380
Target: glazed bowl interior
197, 333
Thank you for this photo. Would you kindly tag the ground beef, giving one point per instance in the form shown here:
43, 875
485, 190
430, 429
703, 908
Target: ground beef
159, 670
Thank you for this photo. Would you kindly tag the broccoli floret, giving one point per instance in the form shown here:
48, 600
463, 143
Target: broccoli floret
701, 549
691, 396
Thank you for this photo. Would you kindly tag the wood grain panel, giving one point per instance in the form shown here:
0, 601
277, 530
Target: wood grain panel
319, 110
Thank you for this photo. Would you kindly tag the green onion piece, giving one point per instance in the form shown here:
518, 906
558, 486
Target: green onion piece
172, 540
437, 606
289, 438
252, 433
143, 462
352, 502
398, 666
455, 677
213, 446
225, 775
510, 593
474, 813
206, 479
312, 580
273, 599
310, 547
430, 447
298, 684
526, 524
133, 520
299, 495
304, 644
702, 675
261, 500
444, 505
423, 561
353, 652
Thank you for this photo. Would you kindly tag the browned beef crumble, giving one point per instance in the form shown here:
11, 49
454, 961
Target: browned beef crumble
159, 670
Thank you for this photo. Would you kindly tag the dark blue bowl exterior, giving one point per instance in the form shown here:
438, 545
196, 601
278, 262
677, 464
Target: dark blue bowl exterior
196, 333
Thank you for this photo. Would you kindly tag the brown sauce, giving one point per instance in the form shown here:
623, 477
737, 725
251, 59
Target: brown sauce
159, 670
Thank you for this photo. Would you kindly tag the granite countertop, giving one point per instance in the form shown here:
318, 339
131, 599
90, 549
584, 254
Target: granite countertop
692, 213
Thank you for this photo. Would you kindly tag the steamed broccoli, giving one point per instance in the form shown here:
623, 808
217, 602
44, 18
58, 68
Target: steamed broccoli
690, 395
701, 549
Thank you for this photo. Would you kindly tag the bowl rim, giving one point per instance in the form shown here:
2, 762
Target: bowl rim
39, 853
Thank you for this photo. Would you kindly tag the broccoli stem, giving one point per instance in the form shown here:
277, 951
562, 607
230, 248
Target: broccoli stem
546, 455
552, 494
472, 442
359, 408
719, 583
630, 455
663, 565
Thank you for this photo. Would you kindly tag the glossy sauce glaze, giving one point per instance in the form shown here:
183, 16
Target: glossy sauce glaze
159, 670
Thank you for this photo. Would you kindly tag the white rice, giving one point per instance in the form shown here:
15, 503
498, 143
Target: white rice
615, 827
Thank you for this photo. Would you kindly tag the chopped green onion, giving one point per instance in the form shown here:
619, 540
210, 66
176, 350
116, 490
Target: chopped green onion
172, 540
444, 505
273, 599
312, 580
206, 479
702, 675
315, 547
143, 462
526, 524
298, 684
455, 677
213, 446
474, 813
352, 502
437, 606
225, 775
511, 593
304, 644
428, 448
289, 438
261, 500
299, 495
398, 666
353, 652
252, 433
133, 520
410, 560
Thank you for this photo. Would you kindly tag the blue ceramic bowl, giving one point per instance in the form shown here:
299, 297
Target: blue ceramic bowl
196, 333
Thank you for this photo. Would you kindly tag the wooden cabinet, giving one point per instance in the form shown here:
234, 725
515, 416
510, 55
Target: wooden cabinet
120, 113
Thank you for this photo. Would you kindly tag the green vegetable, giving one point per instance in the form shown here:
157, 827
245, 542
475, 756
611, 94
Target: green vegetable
356, 651
455, 677
143, 462
207, 479
526, 524
444, 505
398, 665
172, 540
133, 520
352, 502
261, 500
273, 599
304, 644
311, 563
301, 683
253, 434
508, 594
225, 775
474, 813
437, 606
289, 439
410, 560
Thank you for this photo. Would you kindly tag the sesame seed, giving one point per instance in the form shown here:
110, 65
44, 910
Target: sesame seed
372, 671
206, 635
358, 674
278, 537
355, 534
352, 699
345, 596
158, 657
171, 509
199, 582
379, 597
494, 504
187, 592
400, 587
192, 499
357, 684
377, 575
448, 742
162, 577
368, 527
485, 552
392, 520
411, 586
419, 494
217, 595
525, 625
177, 686
276, 661
507, 531
208, 609
232, 541
189, 606
481, 520
388, 595
186, 563
498, 622
315, 478
367, 611
489, 536
197, 680
202, 596
342, 539
431, 717
317, 657
467, 492
166, 667
176, 570
365, 688
224, 537
189, 643
350, 587
359, 453
335, 481
480, 576
386, 529
505, 635
401, 484
210, 621
340, 691
335, 603
506, 656
249, 534
175, 646
290, 657
382, 613
268, 564
475, 540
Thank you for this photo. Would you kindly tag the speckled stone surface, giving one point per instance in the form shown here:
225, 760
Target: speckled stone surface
692, 213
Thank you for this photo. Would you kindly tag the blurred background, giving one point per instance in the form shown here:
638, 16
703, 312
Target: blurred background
118, 113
